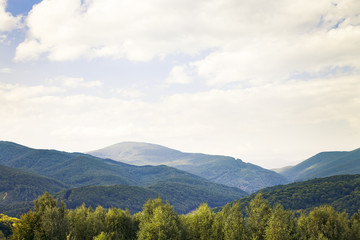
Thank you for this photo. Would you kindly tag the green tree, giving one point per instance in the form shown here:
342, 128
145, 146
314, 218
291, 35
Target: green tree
102, 236
281, 225
200, 223
120, 225
85, 223
46, 222
258, 214
6, 224
355, 226
324, 223
219, 223
25, 228
234, 227
158, 221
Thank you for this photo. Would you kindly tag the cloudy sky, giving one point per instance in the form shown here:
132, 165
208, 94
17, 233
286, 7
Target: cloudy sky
270, 82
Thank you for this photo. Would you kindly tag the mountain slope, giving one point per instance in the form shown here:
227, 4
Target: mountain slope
18, 188
220, 169
325, 164
79, 170
341, 191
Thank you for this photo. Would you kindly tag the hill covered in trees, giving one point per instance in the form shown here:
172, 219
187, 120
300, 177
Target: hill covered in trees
220, 169
324, 164
79, 171
158, 220
341, 192
19, 188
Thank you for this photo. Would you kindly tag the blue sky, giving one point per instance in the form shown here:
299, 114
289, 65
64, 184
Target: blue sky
271, 83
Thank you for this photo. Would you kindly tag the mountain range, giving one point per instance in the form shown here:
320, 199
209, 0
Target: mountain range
220, 169
324, 164
75, 170
188, 180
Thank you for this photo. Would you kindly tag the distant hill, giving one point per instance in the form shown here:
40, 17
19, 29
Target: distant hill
79, 170
18, 188
341, 191
323, 165
184, 197
220, 169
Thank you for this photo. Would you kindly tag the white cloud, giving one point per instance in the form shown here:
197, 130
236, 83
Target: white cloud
179, 74
73, 82
252, 41
286, 122
5, 70
128, 93
7, 21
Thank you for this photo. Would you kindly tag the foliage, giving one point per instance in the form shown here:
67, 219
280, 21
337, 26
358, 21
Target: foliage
158, 220
6, 224
342, 192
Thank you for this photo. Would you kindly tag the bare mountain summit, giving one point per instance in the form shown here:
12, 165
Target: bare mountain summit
220, 169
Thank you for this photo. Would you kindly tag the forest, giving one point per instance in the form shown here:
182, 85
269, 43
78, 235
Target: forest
50, 219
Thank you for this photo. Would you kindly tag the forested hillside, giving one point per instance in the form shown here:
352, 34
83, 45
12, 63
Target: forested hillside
325, 164
220, 169
76, 170
341, 192
158, 220
19, 188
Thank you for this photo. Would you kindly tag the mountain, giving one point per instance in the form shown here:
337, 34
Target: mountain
220, 169
323, 165
184, 197
79, 170
341, 191
18, 188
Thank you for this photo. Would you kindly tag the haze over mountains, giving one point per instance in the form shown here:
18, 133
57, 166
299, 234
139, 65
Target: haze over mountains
220, 169
324, 164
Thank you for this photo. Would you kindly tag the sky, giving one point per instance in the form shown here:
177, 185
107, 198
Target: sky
268, 82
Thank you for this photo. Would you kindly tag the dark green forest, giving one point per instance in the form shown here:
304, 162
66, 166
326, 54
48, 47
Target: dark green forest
341, 192
51, 219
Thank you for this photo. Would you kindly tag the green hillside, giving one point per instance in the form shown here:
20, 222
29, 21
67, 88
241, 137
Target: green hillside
119, 196
341, 191
220, 169
183, 196
79, 170
19, 188
325, 164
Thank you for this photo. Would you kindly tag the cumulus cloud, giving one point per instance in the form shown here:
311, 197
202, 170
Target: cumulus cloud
7, 21
179, 74
128, 93
74, 82
271, 123
250, 41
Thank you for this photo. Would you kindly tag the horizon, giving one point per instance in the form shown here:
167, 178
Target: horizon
270, 83
196, 152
